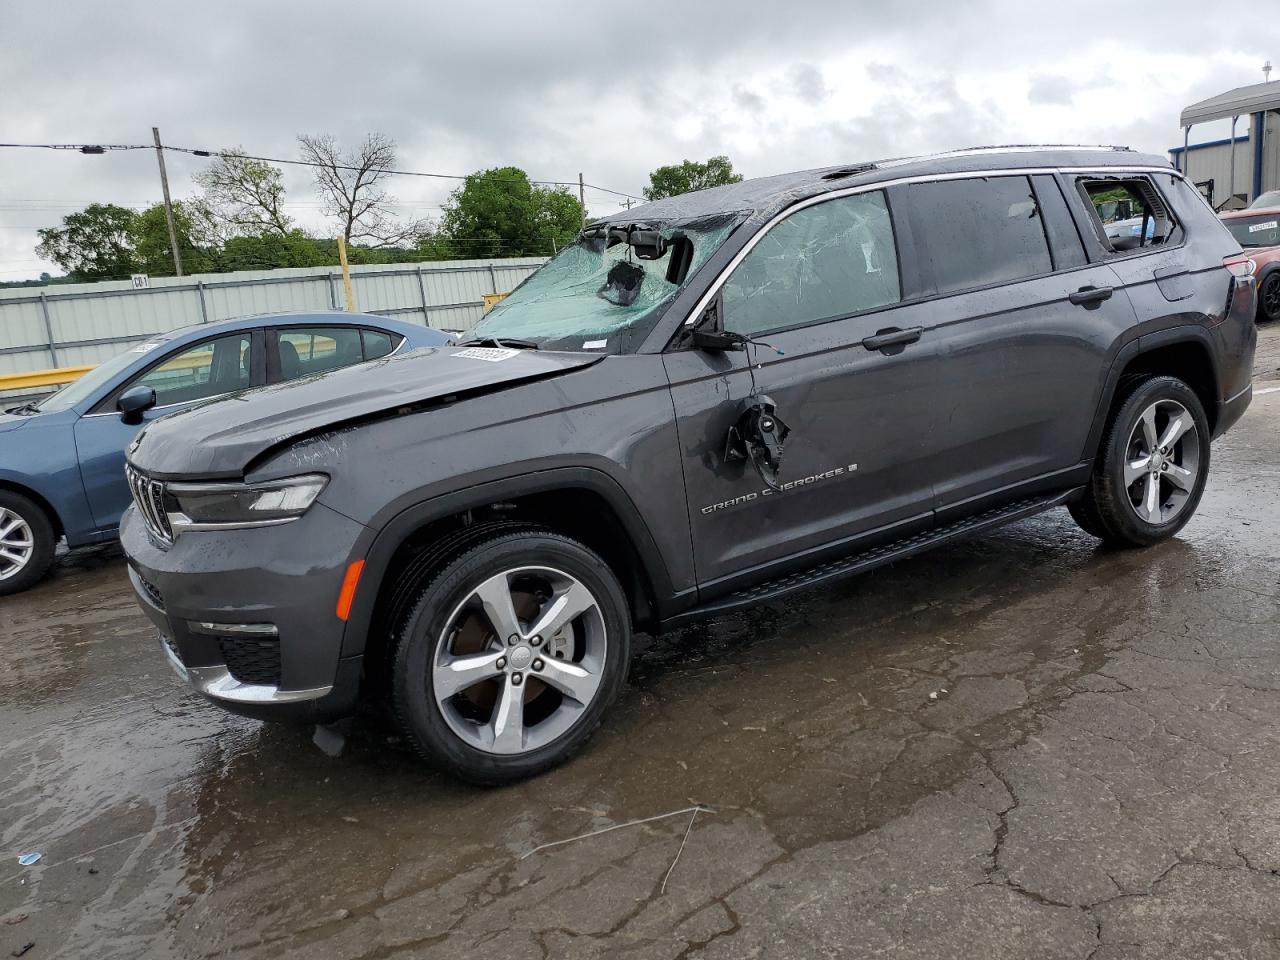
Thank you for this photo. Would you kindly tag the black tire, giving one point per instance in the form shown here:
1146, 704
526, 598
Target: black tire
1269, 298
1107, 509
420, 635
43, 541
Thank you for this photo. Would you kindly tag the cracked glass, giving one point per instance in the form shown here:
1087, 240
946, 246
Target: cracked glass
830, 260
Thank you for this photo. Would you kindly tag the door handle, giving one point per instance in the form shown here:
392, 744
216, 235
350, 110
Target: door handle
1090, 296
892, 337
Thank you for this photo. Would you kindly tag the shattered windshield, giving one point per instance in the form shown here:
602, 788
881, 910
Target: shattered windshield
607, 290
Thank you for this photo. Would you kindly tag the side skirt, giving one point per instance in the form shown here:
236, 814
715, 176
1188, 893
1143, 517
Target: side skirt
833, 570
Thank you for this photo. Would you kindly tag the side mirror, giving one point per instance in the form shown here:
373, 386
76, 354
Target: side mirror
716, 341
134, 402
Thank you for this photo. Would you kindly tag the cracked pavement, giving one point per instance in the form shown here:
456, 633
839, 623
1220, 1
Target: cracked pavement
1096, 777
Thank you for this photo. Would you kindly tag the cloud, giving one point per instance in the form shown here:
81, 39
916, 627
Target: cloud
1051, 89
808, 84
559, 90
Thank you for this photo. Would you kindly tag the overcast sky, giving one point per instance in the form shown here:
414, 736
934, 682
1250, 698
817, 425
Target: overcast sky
611, 90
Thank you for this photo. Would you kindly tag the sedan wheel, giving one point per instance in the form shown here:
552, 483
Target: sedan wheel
17, 544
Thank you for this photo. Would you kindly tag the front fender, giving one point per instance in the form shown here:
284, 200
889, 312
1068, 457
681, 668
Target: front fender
378, 546
39, 460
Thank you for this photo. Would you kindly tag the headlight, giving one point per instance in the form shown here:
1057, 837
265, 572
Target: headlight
223, 506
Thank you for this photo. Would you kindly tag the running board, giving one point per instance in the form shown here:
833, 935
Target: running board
842, 567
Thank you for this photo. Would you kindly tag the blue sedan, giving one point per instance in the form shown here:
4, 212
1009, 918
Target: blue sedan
62, 458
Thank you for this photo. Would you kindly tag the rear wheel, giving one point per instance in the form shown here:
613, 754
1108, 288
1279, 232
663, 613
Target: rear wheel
26, 543
1151, 470
1269, 298
510, 656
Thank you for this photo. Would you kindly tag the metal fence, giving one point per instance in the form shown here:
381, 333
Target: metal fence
76, 324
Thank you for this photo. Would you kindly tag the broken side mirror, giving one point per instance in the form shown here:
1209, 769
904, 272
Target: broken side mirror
716, 341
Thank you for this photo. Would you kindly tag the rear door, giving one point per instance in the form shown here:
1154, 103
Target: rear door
809, 293
294, 352
1023, 326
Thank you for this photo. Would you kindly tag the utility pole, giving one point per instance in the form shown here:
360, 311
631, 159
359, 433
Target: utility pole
582, 199
168, 204
346, 274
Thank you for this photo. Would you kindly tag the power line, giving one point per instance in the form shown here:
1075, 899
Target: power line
206, 153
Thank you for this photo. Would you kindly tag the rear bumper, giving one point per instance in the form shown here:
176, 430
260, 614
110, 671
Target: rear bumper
247, 617
1231, 410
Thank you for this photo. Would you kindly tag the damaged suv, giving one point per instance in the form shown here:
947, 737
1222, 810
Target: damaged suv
705, 403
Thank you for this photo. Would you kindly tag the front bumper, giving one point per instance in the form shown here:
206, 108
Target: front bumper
247, 617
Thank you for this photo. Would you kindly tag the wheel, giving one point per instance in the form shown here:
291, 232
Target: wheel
1151, 468
507, 661
1269, 297
26, 543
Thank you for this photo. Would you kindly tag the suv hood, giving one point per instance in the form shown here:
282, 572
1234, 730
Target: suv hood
220, 438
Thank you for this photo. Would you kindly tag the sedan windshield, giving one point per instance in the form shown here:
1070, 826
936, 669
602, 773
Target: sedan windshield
606, 291
1260, 231
99, 376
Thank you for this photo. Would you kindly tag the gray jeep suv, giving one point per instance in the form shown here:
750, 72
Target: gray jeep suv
707, 402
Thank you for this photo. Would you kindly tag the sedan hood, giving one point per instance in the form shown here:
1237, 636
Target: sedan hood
11, 421
221, 438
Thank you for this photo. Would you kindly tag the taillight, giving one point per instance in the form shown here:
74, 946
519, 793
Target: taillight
1241, 267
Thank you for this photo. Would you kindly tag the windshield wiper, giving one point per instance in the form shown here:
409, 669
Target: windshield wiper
507, 342
25, 410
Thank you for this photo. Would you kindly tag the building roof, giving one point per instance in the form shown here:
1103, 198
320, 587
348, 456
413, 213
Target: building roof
764, 196
1234, 103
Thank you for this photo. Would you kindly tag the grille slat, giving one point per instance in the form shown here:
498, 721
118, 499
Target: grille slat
148, 495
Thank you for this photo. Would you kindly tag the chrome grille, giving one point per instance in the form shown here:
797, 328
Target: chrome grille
148, 496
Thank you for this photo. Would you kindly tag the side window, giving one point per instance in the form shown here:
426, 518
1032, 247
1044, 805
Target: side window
304, 351
828, 260
1129, 213
206, 370
1064, 238
378, 344
978, 232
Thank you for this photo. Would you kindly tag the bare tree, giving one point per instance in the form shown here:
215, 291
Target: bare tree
351, 185
243, 196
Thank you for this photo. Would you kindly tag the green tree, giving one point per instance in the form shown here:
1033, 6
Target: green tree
243, 197
149, 238
267, 251
677, 178
499, 213
95, 243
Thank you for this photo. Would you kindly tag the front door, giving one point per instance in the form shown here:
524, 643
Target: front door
187, 375
809, 295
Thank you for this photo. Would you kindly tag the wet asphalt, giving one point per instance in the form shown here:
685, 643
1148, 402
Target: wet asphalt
1024, 746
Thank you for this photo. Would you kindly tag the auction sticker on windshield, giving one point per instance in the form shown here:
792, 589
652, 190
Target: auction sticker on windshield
492, 354
1269, 225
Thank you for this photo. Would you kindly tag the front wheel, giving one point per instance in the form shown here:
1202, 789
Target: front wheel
27, 542
509, 658
1269, 298
1150, 472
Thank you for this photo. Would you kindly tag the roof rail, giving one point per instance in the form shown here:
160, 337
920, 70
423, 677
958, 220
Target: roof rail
1007, 148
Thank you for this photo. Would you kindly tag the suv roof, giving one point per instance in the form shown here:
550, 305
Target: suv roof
764, 196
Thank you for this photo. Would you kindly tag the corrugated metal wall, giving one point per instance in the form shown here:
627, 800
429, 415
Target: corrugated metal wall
1213, 162
64, 326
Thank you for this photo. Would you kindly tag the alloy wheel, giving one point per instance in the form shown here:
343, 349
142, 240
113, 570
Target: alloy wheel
17, 543
1162, 462
520, 659
1270, 297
